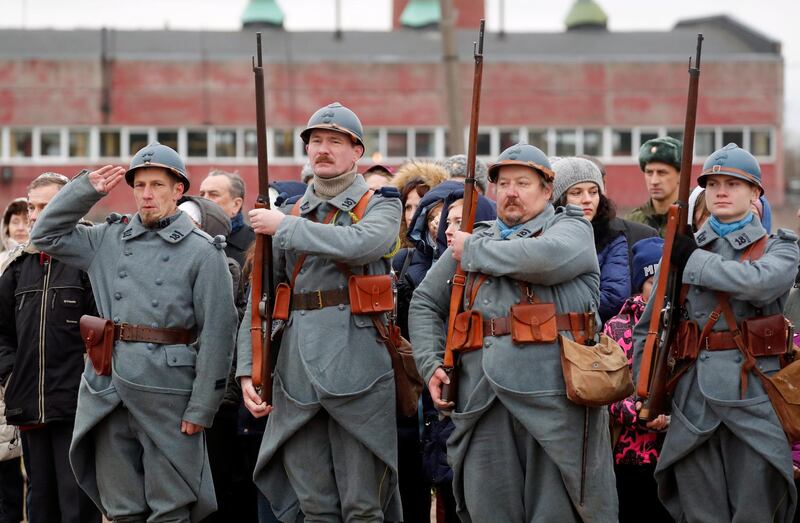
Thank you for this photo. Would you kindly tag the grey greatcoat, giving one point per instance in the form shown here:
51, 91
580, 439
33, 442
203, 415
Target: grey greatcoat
173, 277
727, 458
520, 386
330, 360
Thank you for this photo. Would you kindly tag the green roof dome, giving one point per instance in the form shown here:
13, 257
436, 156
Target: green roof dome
421, 13
586, 14
261, 13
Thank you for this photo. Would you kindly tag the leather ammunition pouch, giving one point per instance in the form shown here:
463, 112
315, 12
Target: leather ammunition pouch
98, 336
371, 294
687, 339
534, 323
283, 302
408, 383
767, 335
597, 374
784, 394
468, 331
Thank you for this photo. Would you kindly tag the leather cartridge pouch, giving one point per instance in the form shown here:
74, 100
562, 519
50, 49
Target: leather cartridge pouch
766, 335
595, 375
408, 383
283, 301
371, 294
687, 338
468, 331
784, 394
98, 336
534, 323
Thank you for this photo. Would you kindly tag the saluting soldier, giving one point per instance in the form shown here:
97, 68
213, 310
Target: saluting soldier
517, 451
725, 456
138, 449
329, 451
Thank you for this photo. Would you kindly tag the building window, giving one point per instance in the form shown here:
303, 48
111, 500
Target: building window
484, 143
79, 144
538, 138
676, 133
284, 143
593, 142
251, 144
168, 138
21, 143
110, 144
372, 145
703, 142
396, 144
621, 142
733, 136
508, 138
647, 135
225, 143
424, 144
566, 142
761, 142
138, 140
196, 143
50, 143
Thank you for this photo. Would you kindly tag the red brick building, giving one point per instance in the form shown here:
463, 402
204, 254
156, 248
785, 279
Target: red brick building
75, 99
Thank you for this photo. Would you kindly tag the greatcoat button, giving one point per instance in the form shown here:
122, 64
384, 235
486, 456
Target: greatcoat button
116, 319
151, 346
154, 303
159, 281
165, 257
122, 274
117, 296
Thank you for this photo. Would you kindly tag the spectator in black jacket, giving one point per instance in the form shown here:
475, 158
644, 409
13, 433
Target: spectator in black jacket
227, 190
41, 362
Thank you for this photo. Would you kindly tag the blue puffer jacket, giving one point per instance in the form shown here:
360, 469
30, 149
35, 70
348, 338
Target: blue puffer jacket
615, 277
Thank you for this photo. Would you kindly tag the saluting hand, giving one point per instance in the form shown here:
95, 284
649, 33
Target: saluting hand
106, 178
257, 407
458, 244
266, 221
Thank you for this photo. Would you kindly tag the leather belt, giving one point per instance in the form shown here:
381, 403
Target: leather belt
162, 336
320, 299
564, 322
718, 341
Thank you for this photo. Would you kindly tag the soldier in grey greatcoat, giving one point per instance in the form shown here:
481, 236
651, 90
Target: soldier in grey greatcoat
138, 448
329, 451
726, 457
518, 451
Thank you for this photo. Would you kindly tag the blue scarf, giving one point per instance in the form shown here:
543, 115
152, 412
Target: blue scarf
723, 229
505, 230
237, 222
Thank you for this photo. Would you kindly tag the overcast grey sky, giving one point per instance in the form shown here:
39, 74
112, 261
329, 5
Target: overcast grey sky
776, 18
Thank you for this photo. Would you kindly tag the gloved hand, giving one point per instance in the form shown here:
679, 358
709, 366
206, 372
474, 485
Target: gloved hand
682, 249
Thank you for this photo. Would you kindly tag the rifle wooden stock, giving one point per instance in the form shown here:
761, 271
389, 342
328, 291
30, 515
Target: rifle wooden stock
262, 287
657, 365
449, 391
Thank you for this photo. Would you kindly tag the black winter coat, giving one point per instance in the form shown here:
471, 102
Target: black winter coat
41, 351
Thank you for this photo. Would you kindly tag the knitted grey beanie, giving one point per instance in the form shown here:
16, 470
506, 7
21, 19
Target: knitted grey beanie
456, 167
570, 171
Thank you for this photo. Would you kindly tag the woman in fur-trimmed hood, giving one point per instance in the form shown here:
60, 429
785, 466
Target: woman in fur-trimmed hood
413, 180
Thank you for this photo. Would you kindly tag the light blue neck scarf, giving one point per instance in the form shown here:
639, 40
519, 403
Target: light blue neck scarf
723, 229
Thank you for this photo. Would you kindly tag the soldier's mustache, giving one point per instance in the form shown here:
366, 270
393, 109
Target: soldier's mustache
323, 159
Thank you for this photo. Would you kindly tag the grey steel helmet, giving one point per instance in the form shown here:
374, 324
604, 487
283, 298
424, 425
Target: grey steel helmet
157, 155
335, 117
526, 155
734, 161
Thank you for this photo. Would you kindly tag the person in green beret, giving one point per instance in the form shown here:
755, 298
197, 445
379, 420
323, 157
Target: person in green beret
660, 161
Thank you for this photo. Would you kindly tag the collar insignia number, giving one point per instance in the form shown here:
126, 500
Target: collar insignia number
304, 207
701, 237
741, 240
127, 233
348, 202
176, 235
523, 232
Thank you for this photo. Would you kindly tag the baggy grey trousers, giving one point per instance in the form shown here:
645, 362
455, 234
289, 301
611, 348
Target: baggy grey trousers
509, 477
724, 479
135, 479
336, 478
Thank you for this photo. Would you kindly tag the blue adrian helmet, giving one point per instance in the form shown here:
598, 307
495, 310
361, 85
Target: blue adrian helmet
526, 155
734, 161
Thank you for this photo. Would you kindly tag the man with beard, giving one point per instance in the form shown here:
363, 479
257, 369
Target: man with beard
138, 448
660, 161
330, 446
516, 450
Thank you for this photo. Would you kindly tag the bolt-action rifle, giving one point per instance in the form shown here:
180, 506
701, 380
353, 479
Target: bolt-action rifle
658, 360
450, 391
262, 287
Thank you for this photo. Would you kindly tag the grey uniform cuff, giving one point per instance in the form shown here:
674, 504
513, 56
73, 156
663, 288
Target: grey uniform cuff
283, 236
468, 261
199, 414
